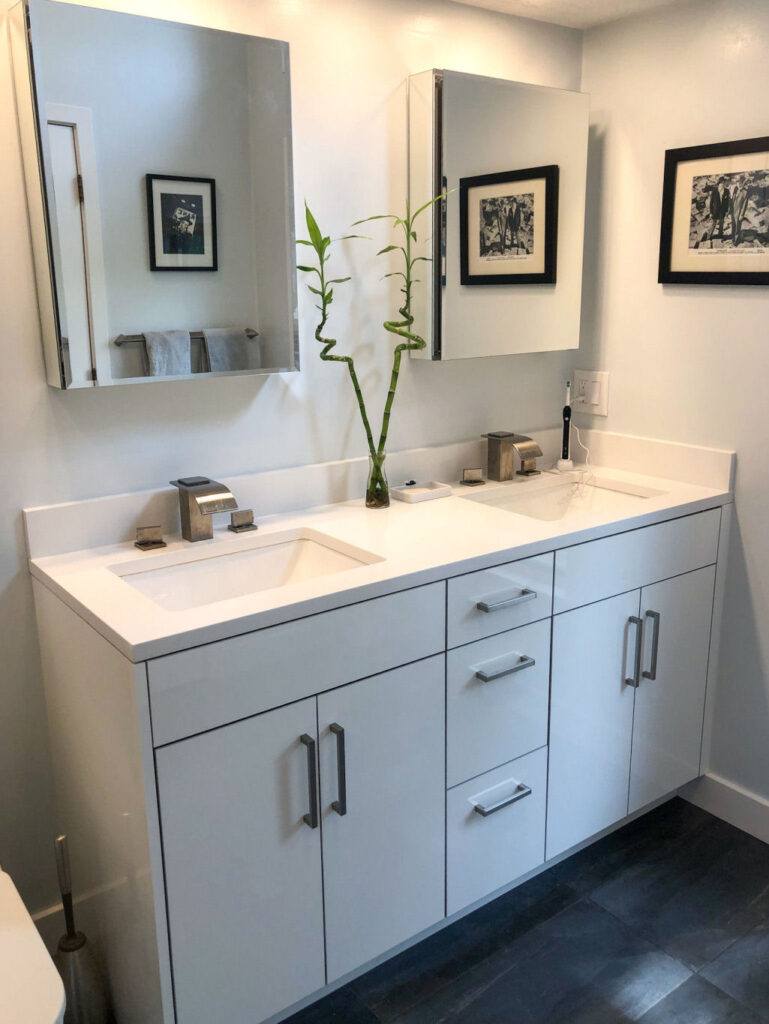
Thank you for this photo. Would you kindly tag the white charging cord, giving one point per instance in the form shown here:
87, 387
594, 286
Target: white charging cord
584, 447
585, 473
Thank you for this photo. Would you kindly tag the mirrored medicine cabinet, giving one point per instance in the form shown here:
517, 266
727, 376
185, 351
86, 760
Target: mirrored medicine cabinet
505, 246
158, 167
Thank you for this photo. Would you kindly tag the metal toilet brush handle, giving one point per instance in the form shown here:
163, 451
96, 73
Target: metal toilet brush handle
84, 988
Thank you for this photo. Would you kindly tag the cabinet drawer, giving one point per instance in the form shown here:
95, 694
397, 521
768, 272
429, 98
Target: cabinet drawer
487, 852
494, 720
209, 686
493, 600
601, 568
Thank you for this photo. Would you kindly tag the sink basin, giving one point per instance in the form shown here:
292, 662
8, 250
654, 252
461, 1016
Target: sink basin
553, 498
188, 579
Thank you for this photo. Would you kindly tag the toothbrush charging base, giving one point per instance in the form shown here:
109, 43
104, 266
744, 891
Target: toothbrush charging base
564, 465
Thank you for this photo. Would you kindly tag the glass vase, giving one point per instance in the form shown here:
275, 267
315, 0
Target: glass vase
377, 489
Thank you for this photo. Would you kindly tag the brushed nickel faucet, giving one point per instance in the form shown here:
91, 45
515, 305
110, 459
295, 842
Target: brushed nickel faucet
199, 498
502, 444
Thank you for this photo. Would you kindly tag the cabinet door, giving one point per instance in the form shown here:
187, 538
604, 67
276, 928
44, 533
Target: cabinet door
243, 868
591, 719
384, 857
670, 700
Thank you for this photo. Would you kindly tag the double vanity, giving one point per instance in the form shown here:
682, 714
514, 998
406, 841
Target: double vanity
284, 755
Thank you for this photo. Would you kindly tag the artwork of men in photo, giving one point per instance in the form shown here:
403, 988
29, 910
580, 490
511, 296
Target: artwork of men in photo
510, 215
739, 204
719, 208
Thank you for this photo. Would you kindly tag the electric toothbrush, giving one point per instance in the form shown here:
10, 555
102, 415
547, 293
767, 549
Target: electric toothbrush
565, 463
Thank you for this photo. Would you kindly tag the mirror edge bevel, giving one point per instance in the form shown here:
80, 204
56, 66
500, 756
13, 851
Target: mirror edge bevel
38, 210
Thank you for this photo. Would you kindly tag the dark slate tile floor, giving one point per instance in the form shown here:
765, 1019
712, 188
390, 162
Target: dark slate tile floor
665, 921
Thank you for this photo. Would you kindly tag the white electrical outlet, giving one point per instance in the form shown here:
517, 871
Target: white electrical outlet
590, 392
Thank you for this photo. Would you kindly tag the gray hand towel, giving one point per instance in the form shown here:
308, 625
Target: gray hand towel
228, 348
168, 353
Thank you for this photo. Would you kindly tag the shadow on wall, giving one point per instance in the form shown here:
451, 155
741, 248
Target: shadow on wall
592, 275
740, 751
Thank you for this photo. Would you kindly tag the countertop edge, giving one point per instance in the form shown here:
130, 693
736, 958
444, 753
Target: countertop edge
174, 643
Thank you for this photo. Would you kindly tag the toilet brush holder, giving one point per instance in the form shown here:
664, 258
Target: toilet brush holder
87, 1001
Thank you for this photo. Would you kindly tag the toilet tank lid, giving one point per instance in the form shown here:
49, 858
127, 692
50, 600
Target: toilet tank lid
32, 991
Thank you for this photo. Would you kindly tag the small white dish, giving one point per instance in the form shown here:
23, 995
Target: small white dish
421, 491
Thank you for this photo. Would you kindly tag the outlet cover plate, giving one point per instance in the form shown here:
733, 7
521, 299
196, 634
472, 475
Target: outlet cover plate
590, 392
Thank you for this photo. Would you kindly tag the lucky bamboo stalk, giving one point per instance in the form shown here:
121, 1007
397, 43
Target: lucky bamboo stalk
377, 491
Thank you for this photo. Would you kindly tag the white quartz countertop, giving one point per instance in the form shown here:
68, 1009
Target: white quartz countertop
417, 544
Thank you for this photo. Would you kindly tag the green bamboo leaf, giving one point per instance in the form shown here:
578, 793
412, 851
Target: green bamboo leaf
330, 295
313, 230
303, 241
378, 216
339, 280
315, 291
388, 248
426, 259
395, 273
430, 202
343, 238
413, 235
307, 270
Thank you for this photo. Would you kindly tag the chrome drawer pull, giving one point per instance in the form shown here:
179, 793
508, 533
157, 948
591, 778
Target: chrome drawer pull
651, 672
520, 792
507, 602
311, 818
524, 661
635, 679
340, 804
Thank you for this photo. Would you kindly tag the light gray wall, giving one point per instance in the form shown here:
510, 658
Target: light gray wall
349, 64
688, 363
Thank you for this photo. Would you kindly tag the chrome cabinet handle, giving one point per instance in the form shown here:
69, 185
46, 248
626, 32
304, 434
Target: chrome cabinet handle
651, 673
311, 818
507, 602
635, 679
340, 804
520, 792
524, 661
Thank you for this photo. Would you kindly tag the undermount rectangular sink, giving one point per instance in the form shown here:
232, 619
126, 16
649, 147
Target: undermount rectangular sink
188, 579
553, 498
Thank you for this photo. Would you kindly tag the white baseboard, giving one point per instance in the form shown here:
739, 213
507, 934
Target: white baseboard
726, 800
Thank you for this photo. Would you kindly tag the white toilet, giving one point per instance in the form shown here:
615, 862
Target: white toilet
31, 991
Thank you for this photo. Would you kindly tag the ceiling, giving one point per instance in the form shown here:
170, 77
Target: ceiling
573, 13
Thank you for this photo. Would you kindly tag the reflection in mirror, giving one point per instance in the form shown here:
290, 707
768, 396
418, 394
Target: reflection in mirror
506, 248
159, 177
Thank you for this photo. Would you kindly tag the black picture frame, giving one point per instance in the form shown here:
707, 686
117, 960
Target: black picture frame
719, 153
172, 245
549, 174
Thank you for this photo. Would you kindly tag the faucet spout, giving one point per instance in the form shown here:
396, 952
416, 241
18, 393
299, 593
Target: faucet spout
502, 443
199, 498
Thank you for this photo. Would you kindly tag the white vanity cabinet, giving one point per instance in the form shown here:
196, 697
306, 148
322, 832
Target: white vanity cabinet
243, 867
670, 699
382, 784
275, 810
629, 673
240, 812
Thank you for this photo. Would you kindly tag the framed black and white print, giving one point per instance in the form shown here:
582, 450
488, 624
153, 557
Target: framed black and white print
508, 227
715, 214
182, 222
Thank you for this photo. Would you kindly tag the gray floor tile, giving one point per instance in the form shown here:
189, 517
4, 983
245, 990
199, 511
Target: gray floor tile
398, 984
743, 971
341, 1007
694, 897
699, 1002
653, 834
581, 967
